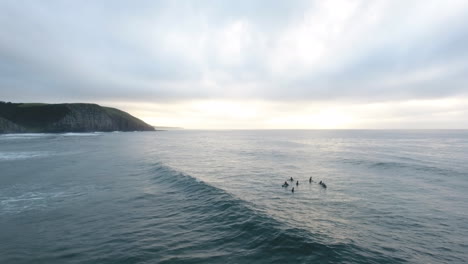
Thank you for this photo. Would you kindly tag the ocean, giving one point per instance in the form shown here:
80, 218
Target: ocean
193, 196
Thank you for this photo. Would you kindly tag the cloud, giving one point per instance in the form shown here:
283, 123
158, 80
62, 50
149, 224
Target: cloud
252, 62
168, 50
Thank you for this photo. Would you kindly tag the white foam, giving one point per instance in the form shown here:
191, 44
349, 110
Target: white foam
73, 134
22, 202
30, 200
23, 136
8, 156
42, 135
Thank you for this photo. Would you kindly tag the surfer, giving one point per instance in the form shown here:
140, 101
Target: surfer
285, 184
297, 183
323, 184
292, 190
291, 179
310, 180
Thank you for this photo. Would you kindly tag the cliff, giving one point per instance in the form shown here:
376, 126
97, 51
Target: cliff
57, 118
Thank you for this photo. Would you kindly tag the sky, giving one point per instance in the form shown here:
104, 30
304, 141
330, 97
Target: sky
337, 64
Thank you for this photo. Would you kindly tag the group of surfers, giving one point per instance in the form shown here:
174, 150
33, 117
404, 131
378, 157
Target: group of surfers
286, 184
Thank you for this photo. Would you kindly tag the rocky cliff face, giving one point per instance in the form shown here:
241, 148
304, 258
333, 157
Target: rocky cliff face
7, 126
56, 118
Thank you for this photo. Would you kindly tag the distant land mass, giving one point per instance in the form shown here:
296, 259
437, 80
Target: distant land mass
59, 118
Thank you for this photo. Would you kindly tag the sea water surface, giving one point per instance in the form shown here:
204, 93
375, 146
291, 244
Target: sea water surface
185, 196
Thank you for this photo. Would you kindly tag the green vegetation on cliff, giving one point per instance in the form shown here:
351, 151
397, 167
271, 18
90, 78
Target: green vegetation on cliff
56, 118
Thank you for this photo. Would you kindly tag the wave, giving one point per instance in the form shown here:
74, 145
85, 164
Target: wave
84, 134
10, 156
26, 136
392, 165
23, 136
236, 224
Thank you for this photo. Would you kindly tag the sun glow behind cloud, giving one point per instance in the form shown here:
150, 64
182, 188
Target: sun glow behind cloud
225, 114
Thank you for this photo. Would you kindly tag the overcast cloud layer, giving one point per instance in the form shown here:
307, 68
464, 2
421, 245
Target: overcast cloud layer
357, 52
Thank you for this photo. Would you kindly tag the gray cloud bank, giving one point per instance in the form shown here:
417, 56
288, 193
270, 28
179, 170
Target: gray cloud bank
269, 50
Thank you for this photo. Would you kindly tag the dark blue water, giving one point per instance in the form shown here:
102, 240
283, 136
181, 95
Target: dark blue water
216, 197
